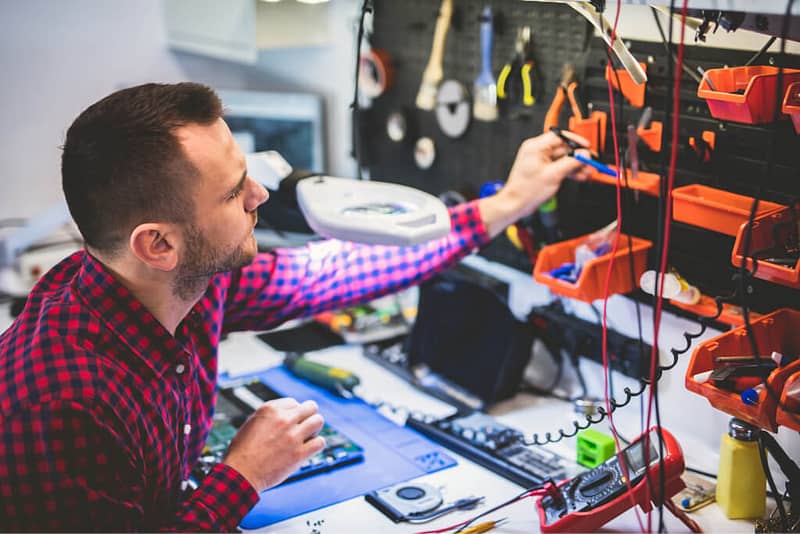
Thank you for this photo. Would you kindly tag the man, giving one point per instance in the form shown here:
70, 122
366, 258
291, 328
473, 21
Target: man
107, 377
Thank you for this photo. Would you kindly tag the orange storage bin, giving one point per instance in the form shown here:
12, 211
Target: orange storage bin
715, 209
592, 128
646, 182
632, 91
591, 282
777, 331
791, 104
778, 225
789, 411
744, 94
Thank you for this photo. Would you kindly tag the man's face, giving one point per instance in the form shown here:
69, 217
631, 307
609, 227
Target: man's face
225, 200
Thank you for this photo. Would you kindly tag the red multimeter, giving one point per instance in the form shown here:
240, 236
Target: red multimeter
592, 499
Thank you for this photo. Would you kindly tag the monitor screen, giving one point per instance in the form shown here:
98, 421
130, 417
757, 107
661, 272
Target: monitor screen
289, 123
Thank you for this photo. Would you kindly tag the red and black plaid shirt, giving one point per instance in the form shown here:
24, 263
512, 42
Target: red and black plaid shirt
103, 413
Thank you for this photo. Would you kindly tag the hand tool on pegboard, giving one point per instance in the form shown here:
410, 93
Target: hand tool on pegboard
432, 75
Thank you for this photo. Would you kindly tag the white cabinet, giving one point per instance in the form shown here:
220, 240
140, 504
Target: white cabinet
236, 30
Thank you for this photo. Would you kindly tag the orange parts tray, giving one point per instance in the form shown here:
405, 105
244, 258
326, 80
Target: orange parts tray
591, 282
647, 182
791, 104
744, 94
707, 307
633, 92
777, 331
715, 209
778, 225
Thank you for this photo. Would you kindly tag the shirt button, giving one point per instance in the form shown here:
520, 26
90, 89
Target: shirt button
180, 368
187, 428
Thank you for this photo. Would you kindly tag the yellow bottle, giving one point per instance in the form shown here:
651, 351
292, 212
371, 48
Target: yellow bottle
741, 484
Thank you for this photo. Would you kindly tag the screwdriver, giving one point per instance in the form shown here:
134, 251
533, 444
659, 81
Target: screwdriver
339, 381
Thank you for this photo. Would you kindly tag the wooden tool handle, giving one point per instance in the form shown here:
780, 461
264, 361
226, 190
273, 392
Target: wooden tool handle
433, 71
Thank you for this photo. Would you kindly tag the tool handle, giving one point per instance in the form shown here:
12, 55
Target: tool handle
331, 378
433, 70
487, 38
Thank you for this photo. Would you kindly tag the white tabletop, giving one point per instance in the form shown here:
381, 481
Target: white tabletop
242, 352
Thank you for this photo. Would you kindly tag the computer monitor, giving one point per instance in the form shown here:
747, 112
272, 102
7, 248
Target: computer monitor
290, 123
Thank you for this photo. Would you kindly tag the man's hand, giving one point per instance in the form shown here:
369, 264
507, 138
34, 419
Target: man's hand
274, 441
539, 168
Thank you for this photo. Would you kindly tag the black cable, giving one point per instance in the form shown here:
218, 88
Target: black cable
762, 454
761, 52
688, 70
501, 505
700, 472
744, 273
366, 7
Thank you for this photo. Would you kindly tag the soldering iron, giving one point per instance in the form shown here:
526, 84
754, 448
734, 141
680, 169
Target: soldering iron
592, 162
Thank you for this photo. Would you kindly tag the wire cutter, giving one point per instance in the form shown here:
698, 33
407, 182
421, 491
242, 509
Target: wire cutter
515, 82
566, 90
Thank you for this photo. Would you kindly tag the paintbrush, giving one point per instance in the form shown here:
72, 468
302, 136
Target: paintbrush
432, 75
484, 107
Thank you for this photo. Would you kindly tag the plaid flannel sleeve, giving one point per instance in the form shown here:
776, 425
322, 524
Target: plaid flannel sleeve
332, 274
63, 468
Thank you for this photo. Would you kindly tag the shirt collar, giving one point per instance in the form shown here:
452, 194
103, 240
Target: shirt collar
116, 307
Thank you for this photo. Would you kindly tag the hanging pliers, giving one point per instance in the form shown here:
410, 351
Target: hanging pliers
515, 84
565, 90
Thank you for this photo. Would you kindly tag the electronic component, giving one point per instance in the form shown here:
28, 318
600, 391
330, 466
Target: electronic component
592, 499
236, 403
405, 500
497, 447
416, 502
697, 493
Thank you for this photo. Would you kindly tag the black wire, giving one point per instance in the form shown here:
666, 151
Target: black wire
366, 7
686, 68
744, 274
761, 52
762, 454
501, 505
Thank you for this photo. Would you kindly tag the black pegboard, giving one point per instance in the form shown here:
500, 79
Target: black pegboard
486, 152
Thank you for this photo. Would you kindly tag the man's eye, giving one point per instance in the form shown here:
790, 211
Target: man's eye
235, 194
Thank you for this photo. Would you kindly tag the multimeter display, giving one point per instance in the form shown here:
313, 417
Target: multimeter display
634, 457
591, 499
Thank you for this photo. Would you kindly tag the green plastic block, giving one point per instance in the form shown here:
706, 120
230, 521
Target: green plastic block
594, 447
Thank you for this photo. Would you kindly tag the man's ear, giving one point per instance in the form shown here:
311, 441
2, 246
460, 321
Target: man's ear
156, 245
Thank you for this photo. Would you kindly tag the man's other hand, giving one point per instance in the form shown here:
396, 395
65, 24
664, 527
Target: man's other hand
275, 440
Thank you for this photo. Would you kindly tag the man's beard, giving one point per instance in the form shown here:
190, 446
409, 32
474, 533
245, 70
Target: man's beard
201, 261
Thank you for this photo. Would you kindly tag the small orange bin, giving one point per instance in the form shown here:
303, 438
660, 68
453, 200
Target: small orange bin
590, 285
715, 209
791, 104
778, 225
789, 410
744, 94
778, 331
647, 182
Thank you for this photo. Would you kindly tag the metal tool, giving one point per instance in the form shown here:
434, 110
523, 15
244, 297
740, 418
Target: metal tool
565, 91
515, 84
602, 24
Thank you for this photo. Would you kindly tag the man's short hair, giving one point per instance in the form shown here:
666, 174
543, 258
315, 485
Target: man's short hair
123, 165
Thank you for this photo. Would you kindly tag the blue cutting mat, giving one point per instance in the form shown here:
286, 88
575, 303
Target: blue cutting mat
392, 454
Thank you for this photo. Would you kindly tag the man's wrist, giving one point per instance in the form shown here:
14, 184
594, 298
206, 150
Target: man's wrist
500, 211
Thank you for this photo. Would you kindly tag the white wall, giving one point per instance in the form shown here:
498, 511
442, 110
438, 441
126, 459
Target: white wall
57, 58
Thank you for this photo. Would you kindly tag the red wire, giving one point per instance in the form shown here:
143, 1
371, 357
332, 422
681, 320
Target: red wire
606, 290
667, 213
